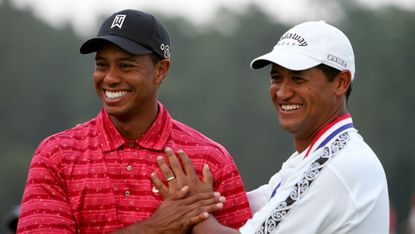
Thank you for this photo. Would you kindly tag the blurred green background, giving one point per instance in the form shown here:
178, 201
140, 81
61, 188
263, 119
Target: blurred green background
46, 87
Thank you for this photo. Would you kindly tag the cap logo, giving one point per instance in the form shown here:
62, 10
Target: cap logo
336, 60
118, 21
166, 50
293, 36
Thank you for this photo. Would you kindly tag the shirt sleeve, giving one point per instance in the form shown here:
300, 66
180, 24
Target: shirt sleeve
258, 197
45, 207
228, 182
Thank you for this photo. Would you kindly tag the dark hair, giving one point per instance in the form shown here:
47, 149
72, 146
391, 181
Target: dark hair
331, 73
155, 58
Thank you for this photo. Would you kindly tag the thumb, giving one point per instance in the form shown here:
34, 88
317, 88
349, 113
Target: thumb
207, 176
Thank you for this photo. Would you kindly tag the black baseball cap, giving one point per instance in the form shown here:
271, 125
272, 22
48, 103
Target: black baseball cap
134, 31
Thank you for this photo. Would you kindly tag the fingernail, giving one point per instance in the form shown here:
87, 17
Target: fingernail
222, 199
219, 205
205, 214
206, 166
159, 158
167, 149
217, 194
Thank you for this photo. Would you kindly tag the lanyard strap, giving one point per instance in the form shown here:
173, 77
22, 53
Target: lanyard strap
346, 124
300, 188
325, 129
275, 190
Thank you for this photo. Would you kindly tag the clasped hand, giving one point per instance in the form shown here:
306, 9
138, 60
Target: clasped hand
187, 199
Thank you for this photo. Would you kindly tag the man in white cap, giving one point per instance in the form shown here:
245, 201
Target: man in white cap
333, 182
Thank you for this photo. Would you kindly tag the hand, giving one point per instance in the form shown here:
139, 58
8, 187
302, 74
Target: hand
177, 177
177, 214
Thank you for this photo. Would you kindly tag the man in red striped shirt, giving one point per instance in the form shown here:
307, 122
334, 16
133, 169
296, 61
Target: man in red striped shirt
95, 177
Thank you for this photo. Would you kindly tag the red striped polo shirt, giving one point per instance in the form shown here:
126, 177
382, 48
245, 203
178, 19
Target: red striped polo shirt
90, 179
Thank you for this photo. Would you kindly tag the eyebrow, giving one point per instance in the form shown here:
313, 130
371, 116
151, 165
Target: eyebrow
298, 72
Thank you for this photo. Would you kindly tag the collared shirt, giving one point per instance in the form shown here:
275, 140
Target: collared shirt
90, 179
349, 195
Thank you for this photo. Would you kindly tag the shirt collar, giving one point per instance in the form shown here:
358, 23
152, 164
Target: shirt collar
329, 131
154, 138
157, 135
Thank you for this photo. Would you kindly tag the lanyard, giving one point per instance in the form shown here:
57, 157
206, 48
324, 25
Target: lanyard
320, 161
346, 125
275, 190
325, 129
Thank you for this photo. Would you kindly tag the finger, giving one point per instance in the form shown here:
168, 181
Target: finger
198, 218
199, 208
175, 195
207, 176
164, 190
209, 204
206, 198
217, 201
191, 219
187, 163
180, 194
175, 165
212, 208
167, 173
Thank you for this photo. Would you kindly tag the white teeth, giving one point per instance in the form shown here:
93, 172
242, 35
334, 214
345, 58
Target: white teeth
290, 107
117, 94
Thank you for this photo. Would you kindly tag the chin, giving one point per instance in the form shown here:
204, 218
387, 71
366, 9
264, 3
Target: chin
113, 111
288, 126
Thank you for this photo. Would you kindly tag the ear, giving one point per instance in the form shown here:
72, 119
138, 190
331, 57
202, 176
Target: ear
161, 70
343, 82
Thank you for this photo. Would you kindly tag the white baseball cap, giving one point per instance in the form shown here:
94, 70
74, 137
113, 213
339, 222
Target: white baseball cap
309, 44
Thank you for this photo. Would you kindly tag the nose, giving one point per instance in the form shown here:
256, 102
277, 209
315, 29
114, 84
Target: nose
112, 76
281, 90
284, 91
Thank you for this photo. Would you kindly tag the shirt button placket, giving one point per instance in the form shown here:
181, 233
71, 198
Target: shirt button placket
129, 168
127, 193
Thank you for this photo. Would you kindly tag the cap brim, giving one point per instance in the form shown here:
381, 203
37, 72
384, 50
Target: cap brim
288, 59
94, 44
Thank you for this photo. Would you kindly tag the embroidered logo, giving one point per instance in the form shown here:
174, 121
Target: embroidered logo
155, 190
336, 60
118, 21
290, 39
166, 50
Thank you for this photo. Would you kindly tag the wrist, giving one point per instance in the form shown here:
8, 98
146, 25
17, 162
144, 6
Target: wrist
141, 227
147, 226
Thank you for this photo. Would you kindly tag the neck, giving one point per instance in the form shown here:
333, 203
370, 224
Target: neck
134, 127
303, 142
